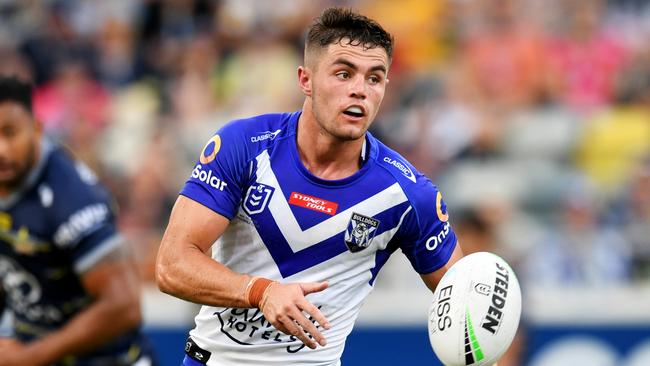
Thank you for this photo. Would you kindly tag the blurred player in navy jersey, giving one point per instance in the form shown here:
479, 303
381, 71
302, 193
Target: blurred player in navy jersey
305, 208
65, 271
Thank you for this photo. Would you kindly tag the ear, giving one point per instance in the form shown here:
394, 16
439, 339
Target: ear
304, 80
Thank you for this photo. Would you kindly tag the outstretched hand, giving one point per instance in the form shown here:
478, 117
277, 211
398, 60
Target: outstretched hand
285, 305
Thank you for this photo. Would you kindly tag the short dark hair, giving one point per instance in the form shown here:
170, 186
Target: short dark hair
16, 90
336, 24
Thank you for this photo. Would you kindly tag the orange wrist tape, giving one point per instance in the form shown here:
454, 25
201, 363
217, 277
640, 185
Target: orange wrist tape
256, 289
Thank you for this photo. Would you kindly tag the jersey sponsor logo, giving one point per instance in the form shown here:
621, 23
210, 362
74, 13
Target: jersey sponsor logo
266, 135
210, 150
360, 231
402, 167
434, 241
249, 327
5, 221
257, 198
208, 178
24, 293
21, 240
313, 203
441, 208
81, 222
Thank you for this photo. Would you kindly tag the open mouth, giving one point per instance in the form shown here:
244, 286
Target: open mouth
354, 111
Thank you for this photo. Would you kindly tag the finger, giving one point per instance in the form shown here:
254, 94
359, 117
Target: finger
311, 287
315, 313
298, 332
279, 326
308, 327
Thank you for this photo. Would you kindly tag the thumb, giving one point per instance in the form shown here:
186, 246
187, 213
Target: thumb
311, 287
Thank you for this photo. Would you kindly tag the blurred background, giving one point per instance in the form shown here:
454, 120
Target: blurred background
532, 117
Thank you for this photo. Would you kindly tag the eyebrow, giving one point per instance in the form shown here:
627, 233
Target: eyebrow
342, 61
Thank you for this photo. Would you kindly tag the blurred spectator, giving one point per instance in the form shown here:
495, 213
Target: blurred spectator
585, 59
250, 86
118, 62
636, 220
55, 42
167, 25
578, 250
421, 28
615, 140
74, 107
504, 57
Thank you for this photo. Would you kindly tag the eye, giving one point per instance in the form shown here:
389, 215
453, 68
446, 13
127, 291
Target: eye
8, 131
374, 79
343, 75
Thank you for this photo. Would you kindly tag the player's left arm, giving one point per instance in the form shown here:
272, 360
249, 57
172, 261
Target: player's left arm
429, 241
432, 279
113, 285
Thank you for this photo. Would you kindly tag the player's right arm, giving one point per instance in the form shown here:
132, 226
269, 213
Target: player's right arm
185, 270
183, 266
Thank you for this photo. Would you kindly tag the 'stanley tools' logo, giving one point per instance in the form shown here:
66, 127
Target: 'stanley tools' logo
313, 203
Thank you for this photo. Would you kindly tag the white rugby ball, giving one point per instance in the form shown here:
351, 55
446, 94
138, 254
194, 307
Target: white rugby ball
475, 311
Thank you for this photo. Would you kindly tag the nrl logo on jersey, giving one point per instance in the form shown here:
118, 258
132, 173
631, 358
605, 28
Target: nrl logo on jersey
257, 198
361, 229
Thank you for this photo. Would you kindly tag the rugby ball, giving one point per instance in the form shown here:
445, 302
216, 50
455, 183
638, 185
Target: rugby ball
475, 311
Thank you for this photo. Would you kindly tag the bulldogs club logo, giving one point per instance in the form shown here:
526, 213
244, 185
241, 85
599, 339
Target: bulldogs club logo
361, 229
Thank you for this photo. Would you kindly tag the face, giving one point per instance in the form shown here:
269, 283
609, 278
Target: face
19, 135
346, 85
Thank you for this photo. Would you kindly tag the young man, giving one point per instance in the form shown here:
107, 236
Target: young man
305, 207
64, 273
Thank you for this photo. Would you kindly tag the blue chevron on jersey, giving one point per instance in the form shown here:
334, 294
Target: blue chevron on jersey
260, 168
289, 225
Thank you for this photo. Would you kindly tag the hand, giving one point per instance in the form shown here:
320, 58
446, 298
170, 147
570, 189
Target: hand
14, 353
284, 305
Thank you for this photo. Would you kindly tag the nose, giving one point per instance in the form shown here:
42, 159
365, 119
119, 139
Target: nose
358, 87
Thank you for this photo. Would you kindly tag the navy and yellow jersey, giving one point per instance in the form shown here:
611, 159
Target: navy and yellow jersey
53, 229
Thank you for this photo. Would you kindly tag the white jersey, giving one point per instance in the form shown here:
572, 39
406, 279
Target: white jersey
291, 226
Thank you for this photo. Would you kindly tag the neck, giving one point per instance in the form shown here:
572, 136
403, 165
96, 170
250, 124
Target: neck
324, 155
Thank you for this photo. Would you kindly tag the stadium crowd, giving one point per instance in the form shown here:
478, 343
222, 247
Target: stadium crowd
533, 117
